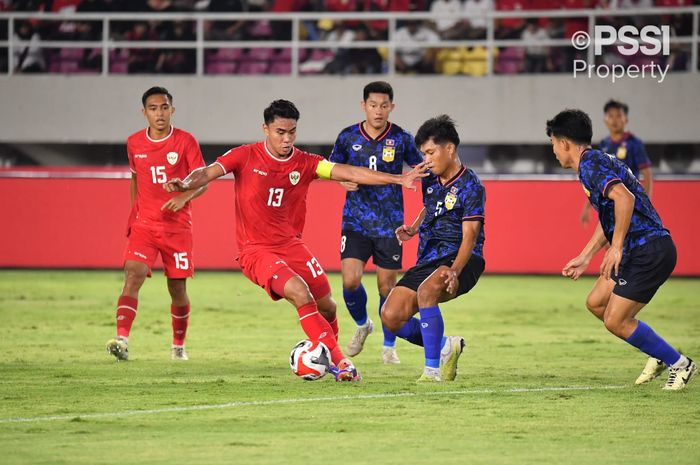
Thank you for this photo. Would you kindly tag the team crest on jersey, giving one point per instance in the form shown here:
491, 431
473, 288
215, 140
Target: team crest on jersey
586, 191
621, 152
388, 154
390, 142
356, 147
172, 157
294, 177
450, 200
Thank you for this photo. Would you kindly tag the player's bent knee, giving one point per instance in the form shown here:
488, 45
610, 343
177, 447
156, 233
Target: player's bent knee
297, 292
352, 282
429, 293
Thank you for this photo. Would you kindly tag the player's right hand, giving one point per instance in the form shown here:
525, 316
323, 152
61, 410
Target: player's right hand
585, 215
175, 185
419, 171
349, 186
576, 267
405, 232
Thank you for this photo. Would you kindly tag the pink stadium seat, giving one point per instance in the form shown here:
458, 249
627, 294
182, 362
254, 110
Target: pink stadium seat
285, 54
252, 67
259, 54
221, 68
281, 67
510, 60
229, 54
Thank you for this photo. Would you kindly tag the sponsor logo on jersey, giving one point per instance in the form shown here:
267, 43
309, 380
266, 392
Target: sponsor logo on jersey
388, 154
172, 157
356, 147
586, 191
294, 177
139, 254
390, 142
260, 172
622, 152
430, 190
141, 155
450, 200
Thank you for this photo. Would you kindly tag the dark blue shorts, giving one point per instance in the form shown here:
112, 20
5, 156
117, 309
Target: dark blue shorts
415, 276
645, 269
386, 252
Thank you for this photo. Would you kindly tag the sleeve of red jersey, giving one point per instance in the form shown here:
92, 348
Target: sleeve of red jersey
194, 155
130, 155
234, 159
312, 164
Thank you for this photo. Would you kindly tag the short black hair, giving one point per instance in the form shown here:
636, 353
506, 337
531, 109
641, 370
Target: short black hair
571, 124
378, 87
441, 129
156, 91
280, 109
612, 103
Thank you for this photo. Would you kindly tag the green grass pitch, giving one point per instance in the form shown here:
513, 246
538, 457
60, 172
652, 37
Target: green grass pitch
541, 381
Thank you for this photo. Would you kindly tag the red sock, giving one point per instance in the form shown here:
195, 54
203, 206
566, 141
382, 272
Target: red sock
126, 312
180, 316
318, 329
334, 326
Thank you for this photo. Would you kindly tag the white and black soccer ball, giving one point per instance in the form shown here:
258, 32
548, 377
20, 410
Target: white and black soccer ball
310, 360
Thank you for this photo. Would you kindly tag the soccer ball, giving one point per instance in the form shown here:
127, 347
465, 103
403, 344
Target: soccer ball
310, 360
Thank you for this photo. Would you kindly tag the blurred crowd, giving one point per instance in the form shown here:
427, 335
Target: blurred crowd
418, 51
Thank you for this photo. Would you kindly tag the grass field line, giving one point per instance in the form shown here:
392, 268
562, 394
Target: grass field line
257, 403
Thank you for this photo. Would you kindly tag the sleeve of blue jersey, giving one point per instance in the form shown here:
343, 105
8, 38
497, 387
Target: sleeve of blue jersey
474, 199
599, 173
339, 154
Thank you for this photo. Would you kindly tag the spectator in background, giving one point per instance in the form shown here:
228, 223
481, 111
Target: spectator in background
29, 58
178, 61
141, 60
449, 27
476, 11
226, 30
415, 59
535, 55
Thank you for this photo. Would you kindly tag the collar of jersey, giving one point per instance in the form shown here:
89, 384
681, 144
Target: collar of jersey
380, 137
283, 160
462, 169
172, 128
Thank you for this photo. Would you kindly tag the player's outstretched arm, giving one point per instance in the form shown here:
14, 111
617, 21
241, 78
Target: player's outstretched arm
361, 175
195, 180
470, 232
406, 232
624, 207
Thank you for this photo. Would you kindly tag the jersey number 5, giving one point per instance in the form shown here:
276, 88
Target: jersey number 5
275, 198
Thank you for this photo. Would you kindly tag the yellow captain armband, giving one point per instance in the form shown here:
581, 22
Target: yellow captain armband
324, 168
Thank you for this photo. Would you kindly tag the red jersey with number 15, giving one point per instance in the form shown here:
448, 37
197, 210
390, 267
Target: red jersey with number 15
154, 162
270, 202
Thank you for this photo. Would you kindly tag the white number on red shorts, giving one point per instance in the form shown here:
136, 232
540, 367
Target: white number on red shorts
315, 267
181, 261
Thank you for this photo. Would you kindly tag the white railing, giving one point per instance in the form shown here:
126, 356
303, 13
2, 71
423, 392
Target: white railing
200, 43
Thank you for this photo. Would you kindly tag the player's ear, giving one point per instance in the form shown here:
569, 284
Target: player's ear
172, 110
266, 129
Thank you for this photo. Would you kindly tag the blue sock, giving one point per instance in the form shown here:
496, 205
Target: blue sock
411, 332
432, 327
645, 339
356, 301
389, 337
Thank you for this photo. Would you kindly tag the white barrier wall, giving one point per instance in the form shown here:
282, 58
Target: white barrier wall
228, 110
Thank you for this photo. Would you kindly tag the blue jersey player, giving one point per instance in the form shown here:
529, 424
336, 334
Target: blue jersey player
625, 146
372, 213
641, 253
450, 251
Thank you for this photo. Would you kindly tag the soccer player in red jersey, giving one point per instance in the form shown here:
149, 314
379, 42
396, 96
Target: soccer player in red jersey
272, 179
160, 222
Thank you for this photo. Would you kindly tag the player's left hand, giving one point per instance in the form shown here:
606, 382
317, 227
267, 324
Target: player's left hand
176, 203
611, 260
450, 277
419, 171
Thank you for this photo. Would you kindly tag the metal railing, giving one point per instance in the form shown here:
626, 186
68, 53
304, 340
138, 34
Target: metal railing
200, 44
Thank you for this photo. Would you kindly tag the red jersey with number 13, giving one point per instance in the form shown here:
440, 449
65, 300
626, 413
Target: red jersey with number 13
154, 162
270, 193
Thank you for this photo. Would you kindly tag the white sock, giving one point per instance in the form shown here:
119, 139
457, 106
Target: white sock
681, 363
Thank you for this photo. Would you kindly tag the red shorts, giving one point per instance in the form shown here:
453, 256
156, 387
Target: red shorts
175, 249
260, 265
